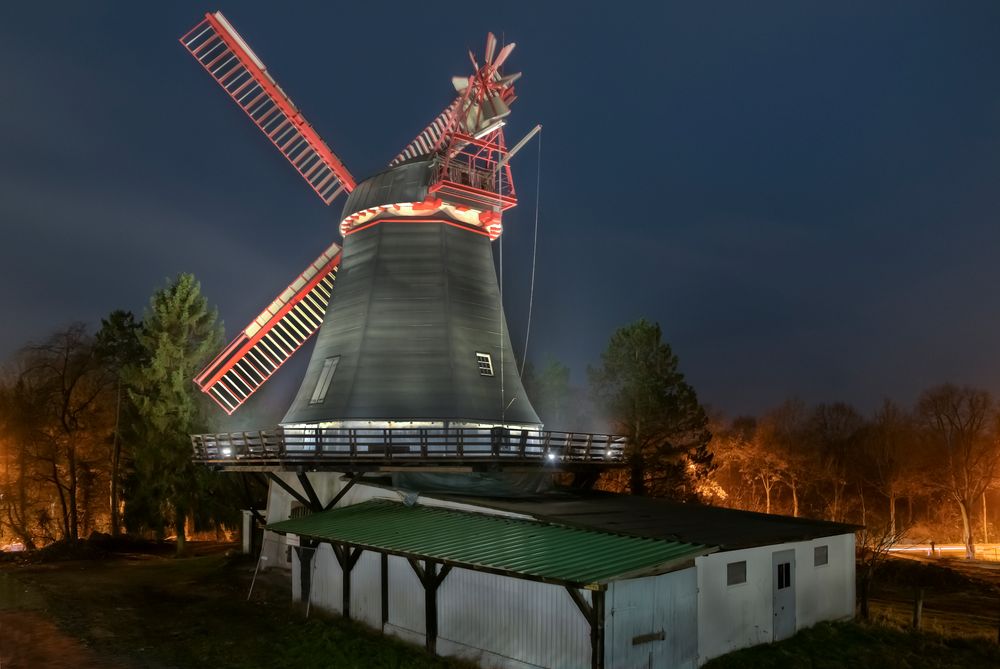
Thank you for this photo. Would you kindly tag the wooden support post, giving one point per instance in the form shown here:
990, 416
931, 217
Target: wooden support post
314, 502
431, 578
306, 552
346, 558
594, 614
918, 606
597, 631
299, 497
343, 491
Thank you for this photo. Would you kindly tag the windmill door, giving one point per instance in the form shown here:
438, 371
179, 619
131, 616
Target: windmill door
783, 573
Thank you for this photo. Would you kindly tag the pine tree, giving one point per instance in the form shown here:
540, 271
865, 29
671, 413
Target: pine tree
646, 398
179, 334
119, 348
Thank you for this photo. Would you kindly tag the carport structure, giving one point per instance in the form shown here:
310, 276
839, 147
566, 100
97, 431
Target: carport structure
436, 542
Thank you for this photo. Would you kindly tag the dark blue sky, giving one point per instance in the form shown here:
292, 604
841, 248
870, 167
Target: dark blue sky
804, 195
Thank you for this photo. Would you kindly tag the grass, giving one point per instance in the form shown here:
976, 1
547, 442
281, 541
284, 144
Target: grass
961, 613
158, 612
854, 644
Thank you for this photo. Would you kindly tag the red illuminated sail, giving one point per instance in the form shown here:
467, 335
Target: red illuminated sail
271, 338
228, 58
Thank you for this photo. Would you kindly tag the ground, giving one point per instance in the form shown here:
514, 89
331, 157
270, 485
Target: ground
152, 611
157, 612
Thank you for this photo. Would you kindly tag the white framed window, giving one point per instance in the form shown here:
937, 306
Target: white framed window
821, 555
323, 382
485, 362
736, 572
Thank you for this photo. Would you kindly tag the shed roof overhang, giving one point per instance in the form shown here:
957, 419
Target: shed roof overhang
526, 549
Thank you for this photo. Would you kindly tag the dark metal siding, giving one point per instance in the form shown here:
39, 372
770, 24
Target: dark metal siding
405, 183
414, 302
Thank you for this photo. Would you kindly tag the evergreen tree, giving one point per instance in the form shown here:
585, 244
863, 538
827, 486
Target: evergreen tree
179, 334
648, 401
119, 348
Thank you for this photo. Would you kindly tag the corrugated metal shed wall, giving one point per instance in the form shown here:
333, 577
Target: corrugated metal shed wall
406, 601
327, 579
647, 606
366, 590
482, 615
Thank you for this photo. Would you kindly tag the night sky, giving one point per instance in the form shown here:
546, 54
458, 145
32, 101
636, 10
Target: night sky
804, 195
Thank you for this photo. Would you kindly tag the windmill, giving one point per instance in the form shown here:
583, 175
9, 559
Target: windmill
416, 332
412, 360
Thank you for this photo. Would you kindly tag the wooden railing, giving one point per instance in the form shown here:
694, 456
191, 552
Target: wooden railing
405, 446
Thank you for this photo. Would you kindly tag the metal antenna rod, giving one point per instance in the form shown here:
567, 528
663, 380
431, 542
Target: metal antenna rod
517, 147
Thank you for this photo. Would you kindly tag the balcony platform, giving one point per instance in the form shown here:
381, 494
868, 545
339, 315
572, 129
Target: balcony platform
401, 449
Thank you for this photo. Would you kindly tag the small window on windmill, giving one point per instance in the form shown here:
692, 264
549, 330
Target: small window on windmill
323, 382
485, 362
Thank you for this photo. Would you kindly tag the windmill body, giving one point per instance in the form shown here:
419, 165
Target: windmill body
415, 332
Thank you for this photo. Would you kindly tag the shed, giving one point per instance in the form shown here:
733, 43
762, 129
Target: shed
564, 579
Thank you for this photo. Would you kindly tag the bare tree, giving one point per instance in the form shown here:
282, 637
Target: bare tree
889, 465
67, 387
873, 545
835, 432
22, 511
960, 429
782, 432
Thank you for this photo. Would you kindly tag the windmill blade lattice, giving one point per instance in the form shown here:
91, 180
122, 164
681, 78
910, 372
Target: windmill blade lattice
270, 339
229, 60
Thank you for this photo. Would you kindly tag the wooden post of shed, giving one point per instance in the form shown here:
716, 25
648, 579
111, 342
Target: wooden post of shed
347, 557
431, 579
593, 612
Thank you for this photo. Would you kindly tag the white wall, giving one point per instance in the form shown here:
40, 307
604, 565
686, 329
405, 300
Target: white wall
737, 616
406, 602
511, 623
667, 603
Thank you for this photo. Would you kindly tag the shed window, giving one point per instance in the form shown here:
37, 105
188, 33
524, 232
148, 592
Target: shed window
323, 382
784, 575
821, 555
485, 362
736, 573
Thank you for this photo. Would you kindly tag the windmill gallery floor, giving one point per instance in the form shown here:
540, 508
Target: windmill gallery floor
153, 611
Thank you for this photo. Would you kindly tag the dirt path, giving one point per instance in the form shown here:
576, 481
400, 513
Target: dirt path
29, 641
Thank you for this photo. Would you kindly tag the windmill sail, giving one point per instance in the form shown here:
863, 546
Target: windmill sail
271, 338
228, 58
430, 138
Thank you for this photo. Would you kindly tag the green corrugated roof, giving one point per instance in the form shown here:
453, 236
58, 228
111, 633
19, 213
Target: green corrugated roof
499, 544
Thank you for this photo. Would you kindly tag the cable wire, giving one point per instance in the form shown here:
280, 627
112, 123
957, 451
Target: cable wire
534, 253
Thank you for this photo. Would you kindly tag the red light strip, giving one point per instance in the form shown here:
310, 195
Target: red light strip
453, 224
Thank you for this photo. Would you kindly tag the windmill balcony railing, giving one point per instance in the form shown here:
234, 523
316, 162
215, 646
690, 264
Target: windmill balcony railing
406, 446
470, 176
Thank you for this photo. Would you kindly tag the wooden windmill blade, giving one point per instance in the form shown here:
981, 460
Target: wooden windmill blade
270, 339
229, 60
431, 137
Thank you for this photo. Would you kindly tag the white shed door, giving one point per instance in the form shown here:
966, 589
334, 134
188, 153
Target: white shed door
654, 622
783, 587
